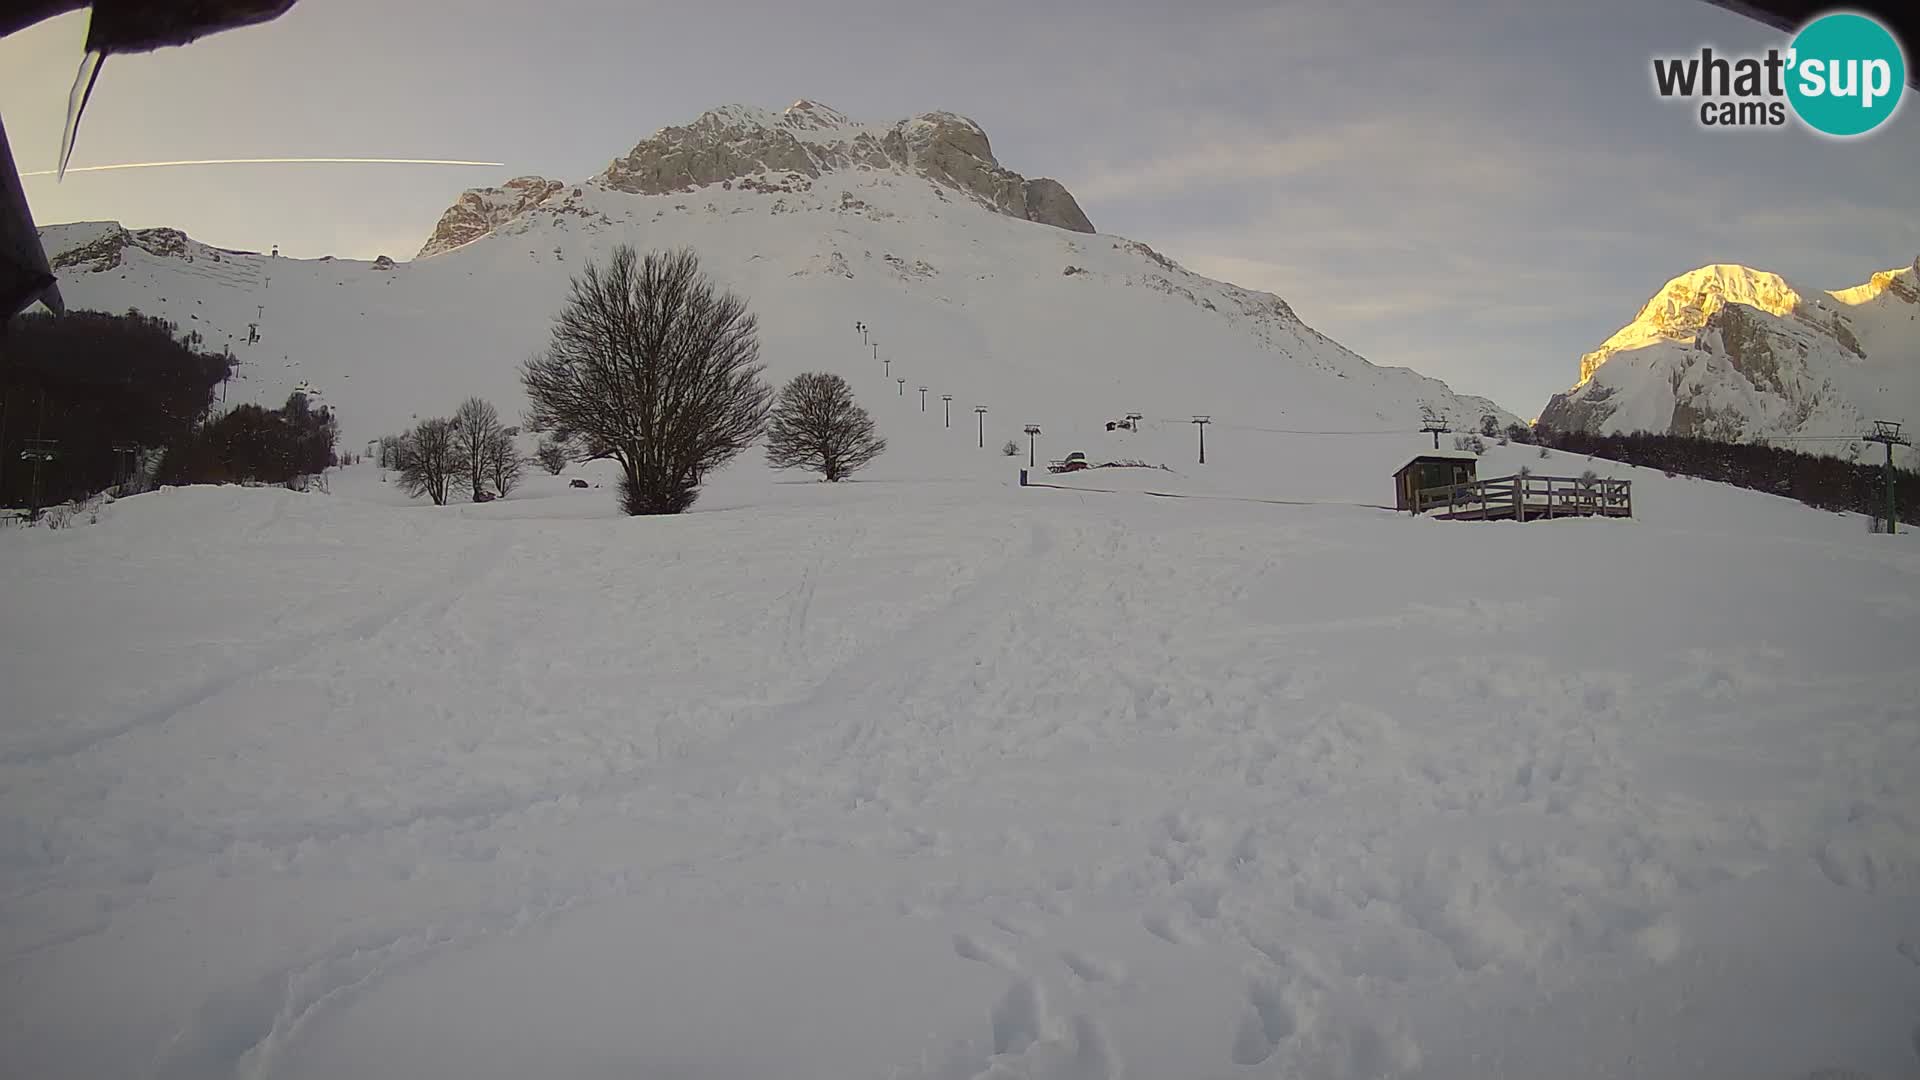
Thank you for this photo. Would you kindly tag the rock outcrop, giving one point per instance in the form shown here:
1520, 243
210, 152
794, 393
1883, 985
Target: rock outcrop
738, 142
740, 147
1049, 203
481, 210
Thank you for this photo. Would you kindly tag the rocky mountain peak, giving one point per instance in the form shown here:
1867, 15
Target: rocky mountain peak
804, 115
738, 142
1684, 304
744, 146
1903, 284
1730, 352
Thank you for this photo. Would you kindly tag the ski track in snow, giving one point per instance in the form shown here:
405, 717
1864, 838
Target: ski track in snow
472, 567
1166, 806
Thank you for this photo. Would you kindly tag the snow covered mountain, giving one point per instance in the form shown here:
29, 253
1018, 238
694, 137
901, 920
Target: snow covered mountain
1729, 352
974, 280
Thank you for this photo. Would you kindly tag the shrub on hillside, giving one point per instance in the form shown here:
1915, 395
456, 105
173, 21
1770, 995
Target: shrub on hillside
251, 444
552, 456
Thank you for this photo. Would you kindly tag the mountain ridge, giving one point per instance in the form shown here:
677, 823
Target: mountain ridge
1734, 353
783, 152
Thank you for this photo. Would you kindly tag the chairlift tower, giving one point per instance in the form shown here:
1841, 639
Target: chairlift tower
1201, 422
125, 455
1435, 426
38, 451
948, 398
981, 412
1887, 433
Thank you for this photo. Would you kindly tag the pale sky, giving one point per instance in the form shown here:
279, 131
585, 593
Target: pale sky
1479, 190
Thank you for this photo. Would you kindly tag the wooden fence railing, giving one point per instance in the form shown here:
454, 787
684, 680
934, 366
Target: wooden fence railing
1527, 498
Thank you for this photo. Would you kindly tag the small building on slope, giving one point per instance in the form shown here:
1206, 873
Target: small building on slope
1433, 469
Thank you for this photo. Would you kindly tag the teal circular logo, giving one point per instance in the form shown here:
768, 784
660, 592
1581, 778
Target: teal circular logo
1846, 74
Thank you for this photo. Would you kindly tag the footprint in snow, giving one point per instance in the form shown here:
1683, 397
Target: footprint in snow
1019, 928
1094, 969
1171, 928
968, 947
1268, 1022
1020, 1019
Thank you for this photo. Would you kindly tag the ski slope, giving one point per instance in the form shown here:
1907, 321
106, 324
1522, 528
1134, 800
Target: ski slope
940, 777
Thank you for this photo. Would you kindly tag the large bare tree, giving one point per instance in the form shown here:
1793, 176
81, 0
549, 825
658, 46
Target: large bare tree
429, 463
505, 465
476, 439
816, 425
653, 366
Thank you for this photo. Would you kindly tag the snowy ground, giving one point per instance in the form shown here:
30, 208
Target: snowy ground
905, 779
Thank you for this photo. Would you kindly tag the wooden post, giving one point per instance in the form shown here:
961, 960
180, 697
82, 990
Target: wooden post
1519, 498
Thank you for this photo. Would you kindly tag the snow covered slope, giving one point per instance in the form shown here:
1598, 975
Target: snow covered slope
926, 239
1728, 352
945, 781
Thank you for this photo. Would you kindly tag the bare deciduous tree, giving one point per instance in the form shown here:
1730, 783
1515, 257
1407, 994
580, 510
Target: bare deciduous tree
552, 456
504, 463
816, 425
653, 366
390, 451
429, 464
476, 436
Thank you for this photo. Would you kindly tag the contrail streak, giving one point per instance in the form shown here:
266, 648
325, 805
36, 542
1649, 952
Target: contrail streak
265, 161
